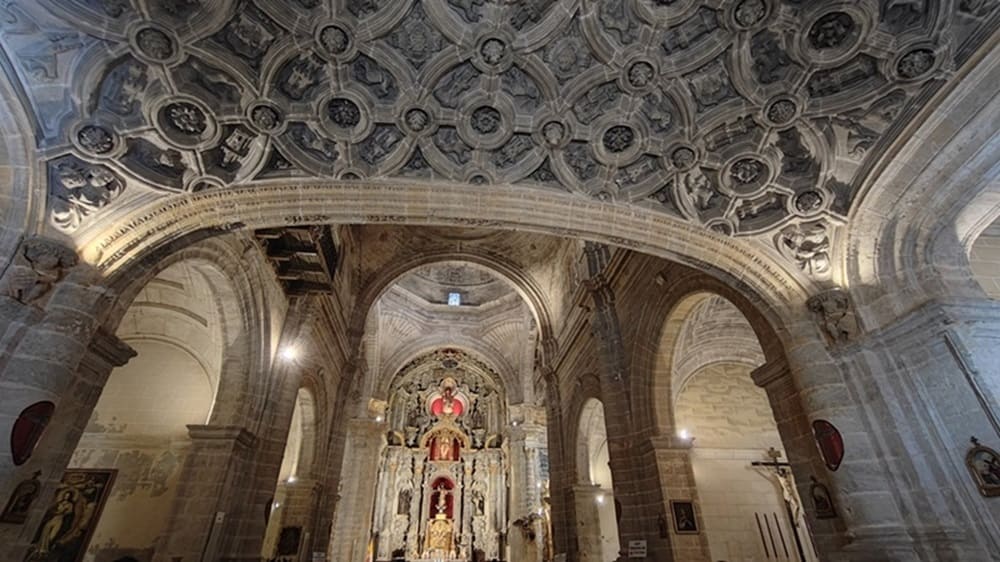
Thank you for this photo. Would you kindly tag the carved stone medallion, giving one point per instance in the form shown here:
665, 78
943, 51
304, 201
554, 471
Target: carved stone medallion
618, 138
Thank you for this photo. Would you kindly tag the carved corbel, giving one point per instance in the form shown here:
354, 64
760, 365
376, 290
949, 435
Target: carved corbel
834, 313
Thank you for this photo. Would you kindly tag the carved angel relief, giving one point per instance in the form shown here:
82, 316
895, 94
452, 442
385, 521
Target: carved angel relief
79, 189
808, 245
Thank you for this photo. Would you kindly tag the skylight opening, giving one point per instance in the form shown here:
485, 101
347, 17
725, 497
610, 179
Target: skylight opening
454, 299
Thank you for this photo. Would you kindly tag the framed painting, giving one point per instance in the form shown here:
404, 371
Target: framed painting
16, 510
984, 465
685, 522
70, 520
822, 500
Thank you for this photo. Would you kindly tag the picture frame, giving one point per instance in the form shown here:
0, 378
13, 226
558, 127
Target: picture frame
72, 516
984, 466
16, 510
684, 517
822, 500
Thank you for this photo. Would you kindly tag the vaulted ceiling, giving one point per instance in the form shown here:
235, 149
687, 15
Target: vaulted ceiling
746, 117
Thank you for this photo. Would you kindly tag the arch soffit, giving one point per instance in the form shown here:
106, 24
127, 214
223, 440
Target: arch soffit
419, 348
181, 345
229, 280
680, 369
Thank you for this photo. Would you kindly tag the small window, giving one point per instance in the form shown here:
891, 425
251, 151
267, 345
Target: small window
454, 299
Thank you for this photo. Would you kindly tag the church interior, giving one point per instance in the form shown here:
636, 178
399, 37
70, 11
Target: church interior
499, 280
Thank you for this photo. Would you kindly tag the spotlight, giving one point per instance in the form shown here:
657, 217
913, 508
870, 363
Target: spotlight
292, 479
289, 353
683, 434
599, 498
378, 418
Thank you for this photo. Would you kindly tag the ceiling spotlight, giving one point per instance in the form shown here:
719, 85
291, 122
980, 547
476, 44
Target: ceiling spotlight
292, 479
289, 353
599, 498
683, 434
379, 418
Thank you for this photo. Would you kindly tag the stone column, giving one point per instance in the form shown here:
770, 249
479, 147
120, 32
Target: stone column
352, 520
632, 460
925, 385
51, 348
869, 524
207, 494
588, 522
673, 461
561, 479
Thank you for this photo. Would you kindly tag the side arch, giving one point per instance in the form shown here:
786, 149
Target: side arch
912, 228
22, 197
243, 306
648, 383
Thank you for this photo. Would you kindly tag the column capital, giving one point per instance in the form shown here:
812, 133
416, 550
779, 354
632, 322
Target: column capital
670, 442
107, 350
233, 433
771, 372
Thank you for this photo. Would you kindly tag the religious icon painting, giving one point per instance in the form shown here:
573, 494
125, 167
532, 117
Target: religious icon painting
822, 500
69, 522
984, 465
830, 443
685, 522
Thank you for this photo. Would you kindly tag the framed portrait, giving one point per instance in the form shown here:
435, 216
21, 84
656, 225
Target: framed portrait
984, 465
16, 510
70, 520
685, 522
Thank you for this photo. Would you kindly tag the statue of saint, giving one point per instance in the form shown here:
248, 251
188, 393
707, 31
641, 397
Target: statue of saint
444, 446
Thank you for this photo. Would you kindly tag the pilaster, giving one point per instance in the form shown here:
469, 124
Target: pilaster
356, 500
205, 506
633, 464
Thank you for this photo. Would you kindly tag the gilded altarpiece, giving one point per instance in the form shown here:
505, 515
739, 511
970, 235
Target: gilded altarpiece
442, 488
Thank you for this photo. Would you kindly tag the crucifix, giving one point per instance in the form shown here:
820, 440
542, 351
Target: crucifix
782, 470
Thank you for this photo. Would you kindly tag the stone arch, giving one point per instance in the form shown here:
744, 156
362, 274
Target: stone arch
592, 445
915, 221
241, 303
21, 200
315, 392
597, 510
984, 259
588, 387
652, 365
305, 402
434, 204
